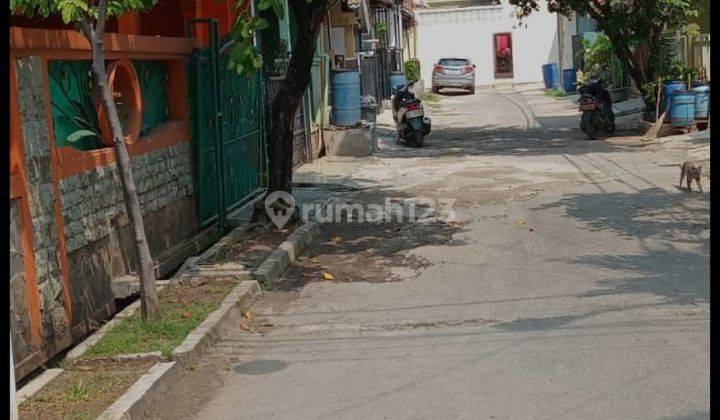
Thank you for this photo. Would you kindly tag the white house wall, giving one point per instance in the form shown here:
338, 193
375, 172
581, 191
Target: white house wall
468, 32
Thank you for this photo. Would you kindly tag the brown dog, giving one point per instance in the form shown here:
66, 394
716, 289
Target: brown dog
690, 171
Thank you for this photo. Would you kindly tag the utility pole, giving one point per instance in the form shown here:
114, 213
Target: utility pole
560, 48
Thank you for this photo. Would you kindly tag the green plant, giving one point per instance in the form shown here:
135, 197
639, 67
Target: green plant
309, 16
79, 392
72, 104
635, 29
602, 62
181, 315
412, 70
555, 93
381, 29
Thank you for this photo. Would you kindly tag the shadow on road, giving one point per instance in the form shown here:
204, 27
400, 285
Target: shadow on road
676, 261
497, 140
652, 213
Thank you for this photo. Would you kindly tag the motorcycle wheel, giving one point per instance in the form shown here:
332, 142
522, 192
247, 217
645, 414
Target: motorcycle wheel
587, 125
418, 139
611, 128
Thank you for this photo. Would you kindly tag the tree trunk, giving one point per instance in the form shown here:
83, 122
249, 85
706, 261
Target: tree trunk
638, 67
309, 17
148, 293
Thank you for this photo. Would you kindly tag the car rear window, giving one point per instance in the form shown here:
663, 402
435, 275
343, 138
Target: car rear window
454, 62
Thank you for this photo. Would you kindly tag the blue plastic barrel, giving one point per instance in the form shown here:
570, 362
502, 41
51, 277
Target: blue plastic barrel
345, 89
669, 91
682, 109
569, 80
551, 75
702, 101
396, 79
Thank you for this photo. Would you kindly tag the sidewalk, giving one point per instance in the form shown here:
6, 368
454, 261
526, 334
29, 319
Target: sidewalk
559, 112
628, 107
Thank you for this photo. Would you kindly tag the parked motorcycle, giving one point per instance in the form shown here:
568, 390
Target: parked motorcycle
410, 121
596, 107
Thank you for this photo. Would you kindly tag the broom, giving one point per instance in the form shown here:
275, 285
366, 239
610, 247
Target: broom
652, 133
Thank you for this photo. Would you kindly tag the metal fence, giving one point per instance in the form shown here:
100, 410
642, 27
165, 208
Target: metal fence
371, 72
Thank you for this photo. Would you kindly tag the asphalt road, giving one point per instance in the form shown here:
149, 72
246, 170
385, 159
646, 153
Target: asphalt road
574, 283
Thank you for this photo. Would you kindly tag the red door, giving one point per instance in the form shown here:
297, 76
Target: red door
502, 44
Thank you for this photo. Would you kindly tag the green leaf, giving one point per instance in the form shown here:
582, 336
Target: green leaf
262, 24
80, 134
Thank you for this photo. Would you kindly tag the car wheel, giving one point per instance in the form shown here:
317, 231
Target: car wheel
472, 90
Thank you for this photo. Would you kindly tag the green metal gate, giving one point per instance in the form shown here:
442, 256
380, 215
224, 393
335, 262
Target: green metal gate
228, 109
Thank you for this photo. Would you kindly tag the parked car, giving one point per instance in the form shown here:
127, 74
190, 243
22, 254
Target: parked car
454, 73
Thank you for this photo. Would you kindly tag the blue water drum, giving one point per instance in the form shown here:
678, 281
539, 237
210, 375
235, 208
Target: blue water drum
669, 90
569, 80
345, 88
551, 75
682, 109
702, 101
397, 78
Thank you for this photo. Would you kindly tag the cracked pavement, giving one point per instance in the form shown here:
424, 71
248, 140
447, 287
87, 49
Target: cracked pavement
575, 285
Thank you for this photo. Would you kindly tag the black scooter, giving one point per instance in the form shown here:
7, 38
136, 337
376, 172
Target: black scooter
410, 122
596, 107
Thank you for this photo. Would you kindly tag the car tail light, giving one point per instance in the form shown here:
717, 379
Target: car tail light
467, 69
412, 105
438, 68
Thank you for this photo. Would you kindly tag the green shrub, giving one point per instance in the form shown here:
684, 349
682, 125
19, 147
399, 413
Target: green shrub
601, 62
412, 70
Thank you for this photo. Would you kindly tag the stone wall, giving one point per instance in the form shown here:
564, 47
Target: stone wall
99, 242
19, 316
93, 204
35, 130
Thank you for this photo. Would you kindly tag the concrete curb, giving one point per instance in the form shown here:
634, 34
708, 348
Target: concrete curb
152, 355
226, 316
286, 253
141, 396
34, 386
137, 401
192, 264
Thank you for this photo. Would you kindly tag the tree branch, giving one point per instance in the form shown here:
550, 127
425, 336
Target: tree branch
87, 29
100, 27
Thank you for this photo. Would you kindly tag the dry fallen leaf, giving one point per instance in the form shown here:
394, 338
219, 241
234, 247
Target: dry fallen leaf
315, 259
244, 327
337, 239
521, 222
267, 324
248, 315
328, 276
186, 315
